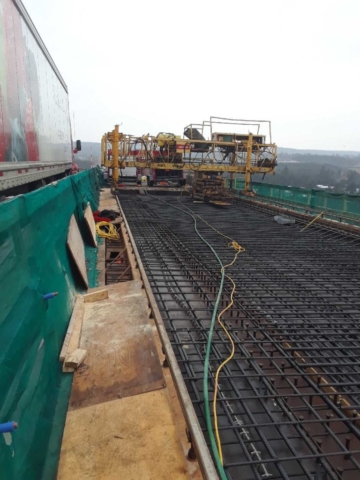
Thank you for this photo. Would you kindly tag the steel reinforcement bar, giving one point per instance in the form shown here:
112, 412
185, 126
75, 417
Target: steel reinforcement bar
289, 400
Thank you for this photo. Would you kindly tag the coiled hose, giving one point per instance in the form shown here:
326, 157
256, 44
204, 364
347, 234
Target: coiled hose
107, 230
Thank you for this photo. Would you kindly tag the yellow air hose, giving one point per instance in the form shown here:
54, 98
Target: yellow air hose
238, 249
107, 230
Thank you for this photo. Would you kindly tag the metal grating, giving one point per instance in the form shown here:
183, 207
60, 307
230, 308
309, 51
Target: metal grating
289, 401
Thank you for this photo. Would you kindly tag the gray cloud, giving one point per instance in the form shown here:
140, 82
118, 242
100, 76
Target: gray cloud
160, 65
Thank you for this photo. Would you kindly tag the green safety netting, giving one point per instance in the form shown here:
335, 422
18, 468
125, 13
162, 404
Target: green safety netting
347, 205
34, 260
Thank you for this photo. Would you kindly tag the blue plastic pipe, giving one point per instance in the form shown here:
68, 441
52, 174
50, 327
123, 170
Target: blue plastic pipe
49, 295
8, 427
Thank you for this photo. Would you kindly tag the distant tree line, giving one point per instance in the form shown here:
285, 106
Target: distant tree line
341, 161
332, 175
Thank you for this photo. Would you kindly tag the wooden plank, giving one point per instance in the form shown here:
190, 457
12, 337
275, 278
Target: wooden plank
176, 410
78, 311
109, 204
111, 288
122, 359
77, 249
100, 264
96, 296
75, 358
90, 222
131, 438
134, 270
75, 336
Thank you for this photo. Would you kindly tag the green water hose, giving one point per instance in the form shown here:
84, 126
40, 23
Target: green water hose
219, 465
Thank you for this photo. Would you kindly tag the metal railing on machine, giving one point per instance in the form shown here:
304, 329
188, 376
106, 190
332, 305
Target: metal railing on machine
234, 153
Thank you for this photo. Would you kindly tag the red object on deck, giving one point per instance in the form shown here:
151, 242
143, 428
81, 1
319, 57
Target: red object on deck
101, 219
97, 217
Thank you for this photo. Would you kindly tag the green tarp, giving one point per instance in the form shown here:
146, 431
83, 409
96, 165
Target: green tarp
34, 260
347, 205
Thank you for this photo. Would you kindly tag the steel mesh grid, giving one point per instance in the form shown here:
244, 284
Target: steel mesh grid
289, 400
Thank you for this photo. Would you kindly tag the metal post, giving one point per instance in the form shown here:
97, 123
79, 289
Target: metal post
232, 162
115, 154
248, 164
231, 180
103, 150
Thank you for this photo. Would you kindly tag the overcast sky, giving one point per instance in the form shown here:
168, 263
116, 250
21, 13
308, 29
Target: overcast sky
162, 64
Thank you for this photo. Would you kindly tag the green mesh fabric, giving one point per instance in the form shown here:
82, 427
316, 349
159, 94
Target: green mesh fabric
34, 260
303, 199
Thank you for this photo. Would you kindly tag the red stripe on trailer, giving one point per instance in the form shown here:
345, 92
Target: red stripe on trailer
19, 171
1, 174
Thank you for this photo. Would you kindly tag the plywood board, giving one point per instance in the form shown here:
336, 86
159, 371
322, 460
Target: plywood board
121, 359
77, 249
130, 438
90, 222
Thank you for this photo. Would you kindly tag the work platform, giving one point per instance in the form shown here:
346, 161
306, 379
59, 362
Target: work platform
124, 420
119, 423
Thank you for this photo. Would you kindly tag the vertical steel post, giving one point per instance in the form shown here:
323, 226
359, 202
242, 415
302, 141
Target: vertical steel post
115, 153
103, 150
232, 162
231, 180
248, 164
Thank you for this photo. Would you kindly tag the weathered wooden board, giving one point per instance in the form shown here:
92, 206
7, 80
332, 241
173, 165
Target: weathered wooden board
75, 358
134, 270
90, 222
76, 317
130, 438
122, 358
77, 249
109, 204
102, 294
75, 335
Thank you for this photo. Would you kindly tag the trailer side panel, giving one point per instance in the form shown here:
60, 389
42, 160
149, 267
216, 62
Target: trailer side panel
34, 109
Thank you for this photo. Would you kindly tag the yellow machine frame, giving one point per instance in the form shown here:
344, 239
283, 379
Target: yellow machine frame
247, 156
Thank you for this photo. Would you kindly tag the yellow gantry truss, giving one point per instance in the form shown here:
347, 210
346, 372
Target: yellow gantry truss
239, 154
